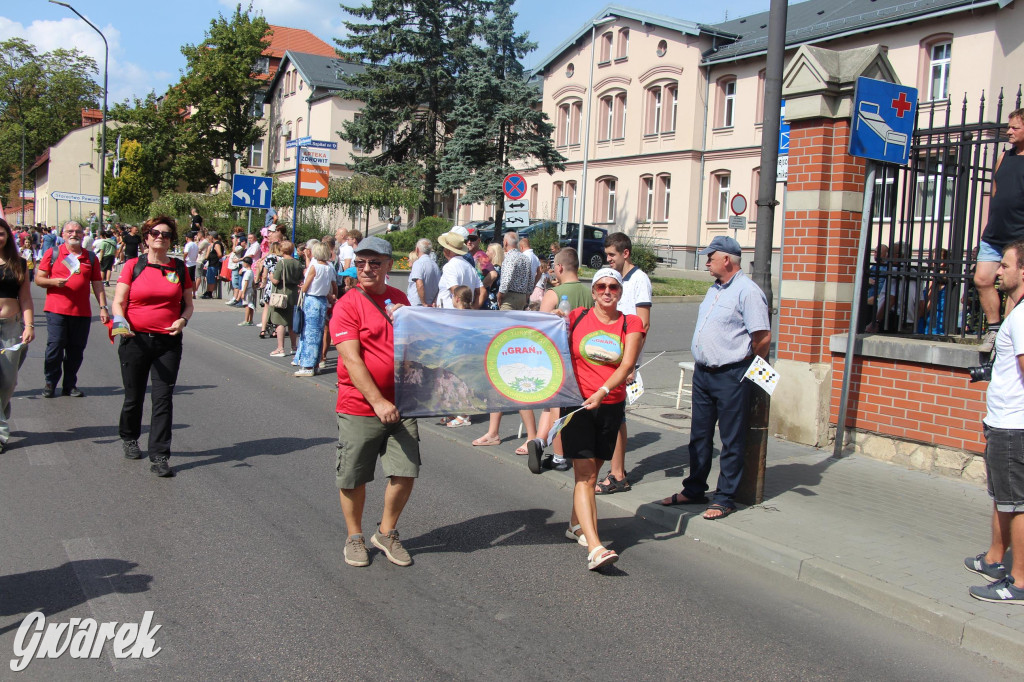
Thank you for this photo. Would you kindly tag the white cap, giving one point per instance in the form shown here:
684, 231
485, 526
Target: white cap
461, 231
607, 272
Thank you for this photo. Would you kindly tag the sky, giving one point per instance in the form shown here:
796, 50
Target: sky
145, 37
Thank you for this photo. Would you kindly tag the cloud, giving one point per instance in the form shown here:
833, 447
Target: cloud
125, 79
323, 18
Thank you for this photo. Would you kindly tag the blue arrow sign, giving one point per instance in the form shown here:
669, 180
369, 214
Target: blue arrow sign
883, 121
251, 191
783, 131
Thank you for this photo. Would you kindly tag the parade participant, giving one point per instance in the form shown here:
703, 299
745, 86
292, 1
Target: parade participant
213, 261
151, 297
320, 284
191, 253
456, 272
603, 345
68, 313
286, 277
16, 322
106, 251
130, 244
424, 276
732, 327
247, 288
369, 425
266, 269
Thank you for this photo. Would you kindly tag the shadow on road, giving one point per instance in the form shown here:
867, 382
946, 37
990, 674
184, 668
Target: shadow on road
239, 453
54, 590
516, 527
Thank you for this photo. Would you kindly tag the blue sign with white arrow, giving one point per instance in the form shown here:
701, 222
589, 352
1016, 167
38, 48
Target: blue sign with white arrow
883, 121
251, 191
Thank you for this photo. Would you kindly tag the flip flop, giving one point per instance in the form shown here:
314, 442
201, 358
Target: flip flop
679, 498
521, 450
487, 440
725, 511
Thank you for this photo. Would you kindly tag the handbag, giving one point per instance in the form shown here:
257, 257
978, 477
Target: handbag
280, 299
299, 315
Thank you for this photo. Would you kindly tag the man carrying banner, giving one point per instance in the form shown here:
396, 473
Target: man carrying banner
369, 425
732, 327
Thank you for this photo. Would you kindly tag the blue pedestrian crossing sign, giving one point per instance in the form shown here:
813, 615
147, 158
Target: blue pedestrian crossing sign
251, 191
883, 121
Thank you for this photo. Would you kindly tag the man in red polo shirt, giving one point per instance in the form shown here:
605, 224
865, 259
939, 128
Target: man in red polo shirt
369, 425
67, 272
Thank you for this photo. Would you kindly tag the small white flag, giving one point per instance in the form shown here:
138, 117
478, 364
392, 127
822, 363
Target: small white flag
72, 263
635, 389
13, 349
762, 374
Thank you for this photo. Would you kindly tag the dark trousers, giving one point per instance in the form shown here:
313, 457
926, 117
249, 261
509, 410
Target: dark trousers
66, 336
143, 357
721, 397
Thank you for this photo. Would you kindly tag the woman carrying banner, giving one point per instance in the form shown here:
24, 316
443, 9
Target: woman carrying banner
603, 345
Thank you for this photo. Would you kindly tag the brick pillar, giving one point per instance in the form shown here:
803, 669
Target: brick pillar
825, 190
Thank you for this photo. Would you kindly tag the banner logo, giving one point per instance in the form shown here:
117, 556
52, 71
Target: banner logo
523, 365
601, 348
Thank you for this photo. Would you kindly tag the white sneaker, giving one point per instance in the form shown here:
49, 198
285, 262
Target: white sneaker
304, 373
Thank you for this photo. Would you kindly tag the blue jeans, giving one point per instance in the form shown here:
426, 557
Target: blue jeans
723, 397
315, 308
66, 336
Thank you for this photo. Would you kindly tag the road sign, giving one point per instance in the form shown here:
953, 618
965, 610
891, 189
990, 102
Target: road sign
514, 186
517, 219
83, 198
782, 169
314, 172
251, 191
322, 144
298, 142
738, 204
737, 222
512, 205
783, 131
27, 194
884, 115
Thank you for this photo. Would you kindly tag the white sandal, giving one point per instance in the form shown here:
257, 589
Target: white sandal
459, 421
574, 533
599, 557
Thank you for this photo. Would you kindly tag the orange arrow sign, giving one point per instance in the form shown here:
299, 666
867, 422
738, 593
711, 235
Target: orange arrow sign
313, 181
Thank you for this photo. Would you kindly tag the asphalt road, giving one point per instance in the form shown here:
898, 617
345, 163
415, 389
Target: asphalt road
240, 556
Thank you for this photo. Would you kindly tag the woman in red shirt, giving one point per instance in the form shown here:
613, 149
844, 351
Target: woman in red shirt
154, 305
603, 345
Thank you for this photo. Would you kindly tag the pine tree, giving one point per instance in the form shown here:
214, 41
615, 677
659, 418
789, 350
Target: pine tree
498, 122
414, 51
130, 190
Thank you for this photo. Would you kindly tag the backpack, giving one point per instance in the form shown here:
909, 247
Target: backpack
179, 267
49, 253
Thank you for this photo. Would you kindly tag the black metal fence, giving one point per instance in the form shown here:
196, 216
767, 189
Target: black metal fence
926, 223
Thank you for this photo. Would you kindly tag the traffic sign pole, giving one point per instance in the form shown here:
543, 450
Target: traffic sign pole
295, 199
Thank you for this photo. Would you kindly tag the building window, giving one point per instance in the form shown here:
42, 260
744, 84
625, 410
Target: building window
607, 112
755, 189
570, 70
933, 198
258, 100
575, 117
295, 77
654, 114
604, 203
613, 117
720, 183
277, 151
727, 102
663, 197
568, 123
256, 155
647, 198
533, 198
619, 126
570, 191
938, 77
622, 49
662, 48
673, 99
759, 103
605, 48
299, 132
661, 109
557, 190
262, 65
884, 197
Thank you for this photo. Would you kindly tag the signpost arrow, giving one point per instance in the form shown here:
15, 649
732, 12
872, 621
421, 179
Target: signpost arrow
243, 196
315, 186
263, 192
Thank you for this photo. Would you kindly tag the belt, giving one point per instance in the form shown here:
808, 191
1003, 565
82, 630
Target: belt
724, 368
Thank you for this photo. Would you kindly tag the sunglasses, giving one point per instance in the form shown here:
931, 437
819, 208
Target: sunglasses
612, 287
374, 264
155, 234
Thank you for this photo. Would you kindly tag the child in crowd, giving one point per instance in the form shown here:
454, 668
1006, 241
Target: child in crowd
235, 266
244, 290
462, 299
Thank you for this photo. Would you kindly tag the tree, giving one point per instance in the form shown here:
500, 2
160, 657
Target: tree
220, 87
498, 123
130, 190
414, 51
42, 96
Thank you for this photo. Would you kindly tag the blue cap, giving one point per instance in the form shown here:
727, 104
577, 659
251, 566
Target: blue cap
724, 244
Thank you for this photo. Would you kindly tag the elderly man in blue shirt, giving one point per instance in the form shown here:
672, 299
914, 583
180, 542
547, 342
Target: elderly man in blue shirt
732, 327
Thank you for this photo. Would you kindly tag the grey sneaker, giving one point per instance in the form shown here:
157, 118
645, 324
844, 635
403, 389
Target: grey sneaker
1000, 592
131, 449
392, 548
355, 551
991, 572
988, 341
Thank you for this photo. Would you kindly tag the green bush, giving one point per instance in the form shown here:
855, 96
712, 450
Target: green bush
404, 241
643, 255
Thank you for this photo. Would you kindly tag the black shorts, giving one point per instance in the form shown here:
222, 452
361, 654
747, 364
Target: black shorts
107, 263
591, 434
191, 272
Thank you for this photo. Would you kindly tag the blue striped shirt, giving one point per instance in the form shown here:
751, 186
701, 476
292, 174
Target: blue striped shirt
729, 314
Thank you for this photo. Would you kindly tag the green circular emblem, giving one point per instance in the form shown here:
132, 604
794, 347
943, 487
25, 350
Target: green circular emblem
523, 365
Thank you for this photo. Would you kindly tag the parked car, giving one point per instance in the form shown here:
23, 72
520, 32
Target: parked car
593, 243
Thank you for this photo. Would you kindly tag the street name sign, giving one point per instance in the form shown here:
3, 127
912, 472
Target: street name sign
83, 198
251, 191
314, 172
884, 115
514, 186
321, 144
298, 142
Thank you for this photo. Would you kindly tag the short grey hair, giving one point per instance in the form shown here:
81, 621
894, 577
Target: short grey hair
311, 243
425, 246
511, 238
734, 258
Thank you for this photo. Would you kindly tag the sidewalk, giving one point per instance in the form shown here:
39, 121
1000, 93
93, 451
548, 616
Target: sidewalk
886, 538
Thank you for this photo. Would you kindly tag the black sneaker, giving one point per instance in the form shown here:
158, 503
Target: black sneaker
991, 572
160, 468
47, 391
131, 449
72, 392
561, 465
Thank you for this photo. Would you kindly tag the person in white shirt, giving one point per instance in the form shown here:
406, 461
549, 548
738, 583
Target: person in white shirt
252, 247
191, 256
524, 247
456, 272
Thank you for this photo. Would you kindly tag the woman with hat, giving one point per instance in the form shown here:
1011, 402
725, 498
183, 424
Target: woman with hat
457, 271
603, 346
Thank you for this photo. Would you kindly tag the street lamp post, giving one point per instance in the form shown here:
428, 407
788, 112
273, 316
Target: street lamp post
80, 167
103, 127
586, 129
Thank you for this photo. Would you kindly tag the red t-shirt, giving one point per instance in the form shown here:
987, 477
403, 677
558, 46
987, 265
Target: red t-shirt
72, 298
154, 299
355, 317
596, 351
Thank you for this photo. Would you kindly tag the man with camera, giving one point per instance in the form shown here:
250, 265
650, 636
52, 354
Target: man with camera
1004, 436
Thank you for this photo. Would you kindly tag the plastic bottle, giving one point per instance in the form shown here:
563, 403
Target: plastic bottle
389, 306
564, 305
